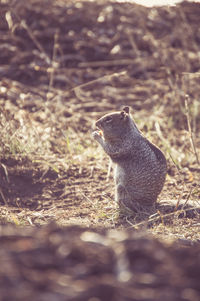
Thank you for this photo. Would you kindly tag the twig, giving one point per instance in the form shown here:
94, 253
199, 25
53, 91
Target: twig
53, 63
109, 170
6, 172
97, 80
190, 129
3, 197
163, 216
107, 63
129, 222
194, 74
39, 46
29, 220
183, 183
188, 196
77, 89
90, 201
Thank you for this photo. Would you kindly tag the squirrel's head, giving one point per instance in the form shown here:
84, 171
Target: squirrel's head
114, 125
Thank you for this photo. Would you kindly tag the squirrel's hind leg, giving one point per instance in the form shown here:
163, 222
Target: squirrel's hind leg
126, 203
121, 195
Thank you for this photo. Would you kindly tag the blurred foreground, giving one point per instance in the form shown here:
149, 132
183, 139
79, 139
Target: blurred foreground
62, 65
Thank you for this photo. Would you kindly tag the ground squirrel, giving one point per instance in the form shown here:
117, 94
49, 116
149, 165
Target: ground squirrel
140, 167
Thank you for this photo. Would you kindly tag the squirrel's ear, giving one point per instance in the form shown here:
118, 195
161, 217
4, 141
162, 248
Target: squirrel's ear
123, 114
126, 109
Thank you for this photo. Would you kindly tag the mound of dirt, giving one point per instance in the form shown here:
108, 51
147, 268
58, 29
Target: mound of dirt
76, 263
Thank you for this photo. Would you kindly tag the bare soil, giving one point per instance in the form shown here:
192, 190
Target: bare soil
63, 64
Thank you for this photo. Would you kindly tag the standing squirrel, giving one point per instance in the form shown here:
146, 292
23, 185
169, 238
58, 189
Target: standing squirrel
140, 167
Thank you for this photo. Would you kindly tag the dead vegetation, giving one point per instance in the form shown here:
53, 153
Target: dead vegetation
62, 65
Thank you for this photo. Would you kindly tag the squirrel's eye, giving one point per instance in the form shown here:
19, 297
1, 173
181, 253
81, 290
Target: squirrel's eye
108, 119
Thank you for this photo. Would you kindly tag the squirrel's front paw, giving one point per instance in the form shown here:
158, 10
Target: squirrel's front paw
97, 135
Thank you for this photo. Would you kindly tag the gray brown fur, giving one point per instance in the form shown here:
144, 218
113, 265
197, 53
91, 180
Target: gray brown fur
140, 167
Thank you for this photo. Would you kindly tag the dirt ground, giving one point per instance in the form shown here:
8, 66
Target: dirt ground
63, 64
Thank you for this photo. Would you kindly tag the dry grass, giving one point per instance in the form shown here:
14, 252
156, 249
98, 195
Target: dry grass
65, 80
